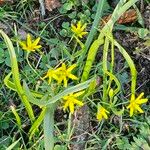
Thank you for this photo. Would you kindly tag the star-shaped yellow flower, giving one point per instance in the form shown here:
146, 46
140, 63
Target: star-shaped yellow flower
30, 46
71, 100
51, 73
79, 29
135, 103
101, 113
65, 74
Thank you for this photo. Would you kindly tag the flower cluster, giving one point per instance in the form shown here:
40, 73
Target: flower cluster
61, 74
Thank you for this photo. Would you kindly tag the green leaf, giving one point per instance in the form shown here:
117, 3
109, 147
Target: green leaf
142, 32
147, 42
44, 102
68, 6
13, 145
37, 123
60, 147
8, 83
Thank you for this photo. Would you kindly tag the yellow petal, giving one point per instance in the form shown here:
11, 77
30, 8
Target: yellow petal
78, 102
141, 101
78, 93
36, 41
65, 82
131, 111
37, 47
66, 105
140, 96
83, 33
105, 110
73, 28
73, 77
128, 106
71, 107
79, 25
59, 80
71, 67
99, 117
29, 41
45, 77
22, 44
49, 80
105, 115
63, 66
55, 76
139, 109
84, 26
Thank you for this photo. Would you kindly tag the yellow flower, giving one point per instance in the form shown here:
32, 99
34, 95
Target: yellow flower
51, 74
71, 100
65, 74
30, 46
135, 104
101, 113
79, 29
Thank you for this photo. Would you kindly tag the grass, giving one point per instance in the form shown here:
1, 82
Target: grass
32, 111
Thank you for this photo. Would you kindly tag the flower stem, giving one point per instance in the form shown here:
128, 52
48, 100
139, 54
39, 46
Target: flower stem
93, 29
131, 65
105, 53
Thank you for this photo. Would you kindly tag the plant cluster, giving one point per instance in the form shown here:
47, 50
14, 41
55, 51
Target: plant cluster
71, 81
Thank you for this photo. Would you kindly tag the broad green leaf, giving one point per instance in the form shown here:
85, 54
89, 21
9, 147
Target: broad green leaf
43, 102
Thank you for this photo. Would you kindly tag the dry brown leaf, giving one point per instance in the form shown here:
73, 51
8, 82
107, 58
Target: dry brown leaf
2, 2
52, 4
128, 17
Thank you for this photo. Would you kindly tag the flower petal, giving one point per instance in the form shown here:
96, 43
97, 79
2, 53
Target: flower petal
66, 105
83, 27
29, 41
37, 47
78, 93
65, 82
131, 111
141, 101
73, 77
79, 25
139, 109
36, 41
71, 67
71, 107
140, 96
105, 115
78, 102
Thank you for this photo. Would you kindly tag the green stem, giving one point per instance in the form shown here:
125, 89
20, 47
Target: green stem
27, 58
131, 65
105, 53
93, 29
15, 73
90, 59
49, 128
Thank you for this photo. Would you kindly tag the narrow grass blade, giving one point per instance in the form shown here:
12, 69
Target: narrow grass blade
13, 145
